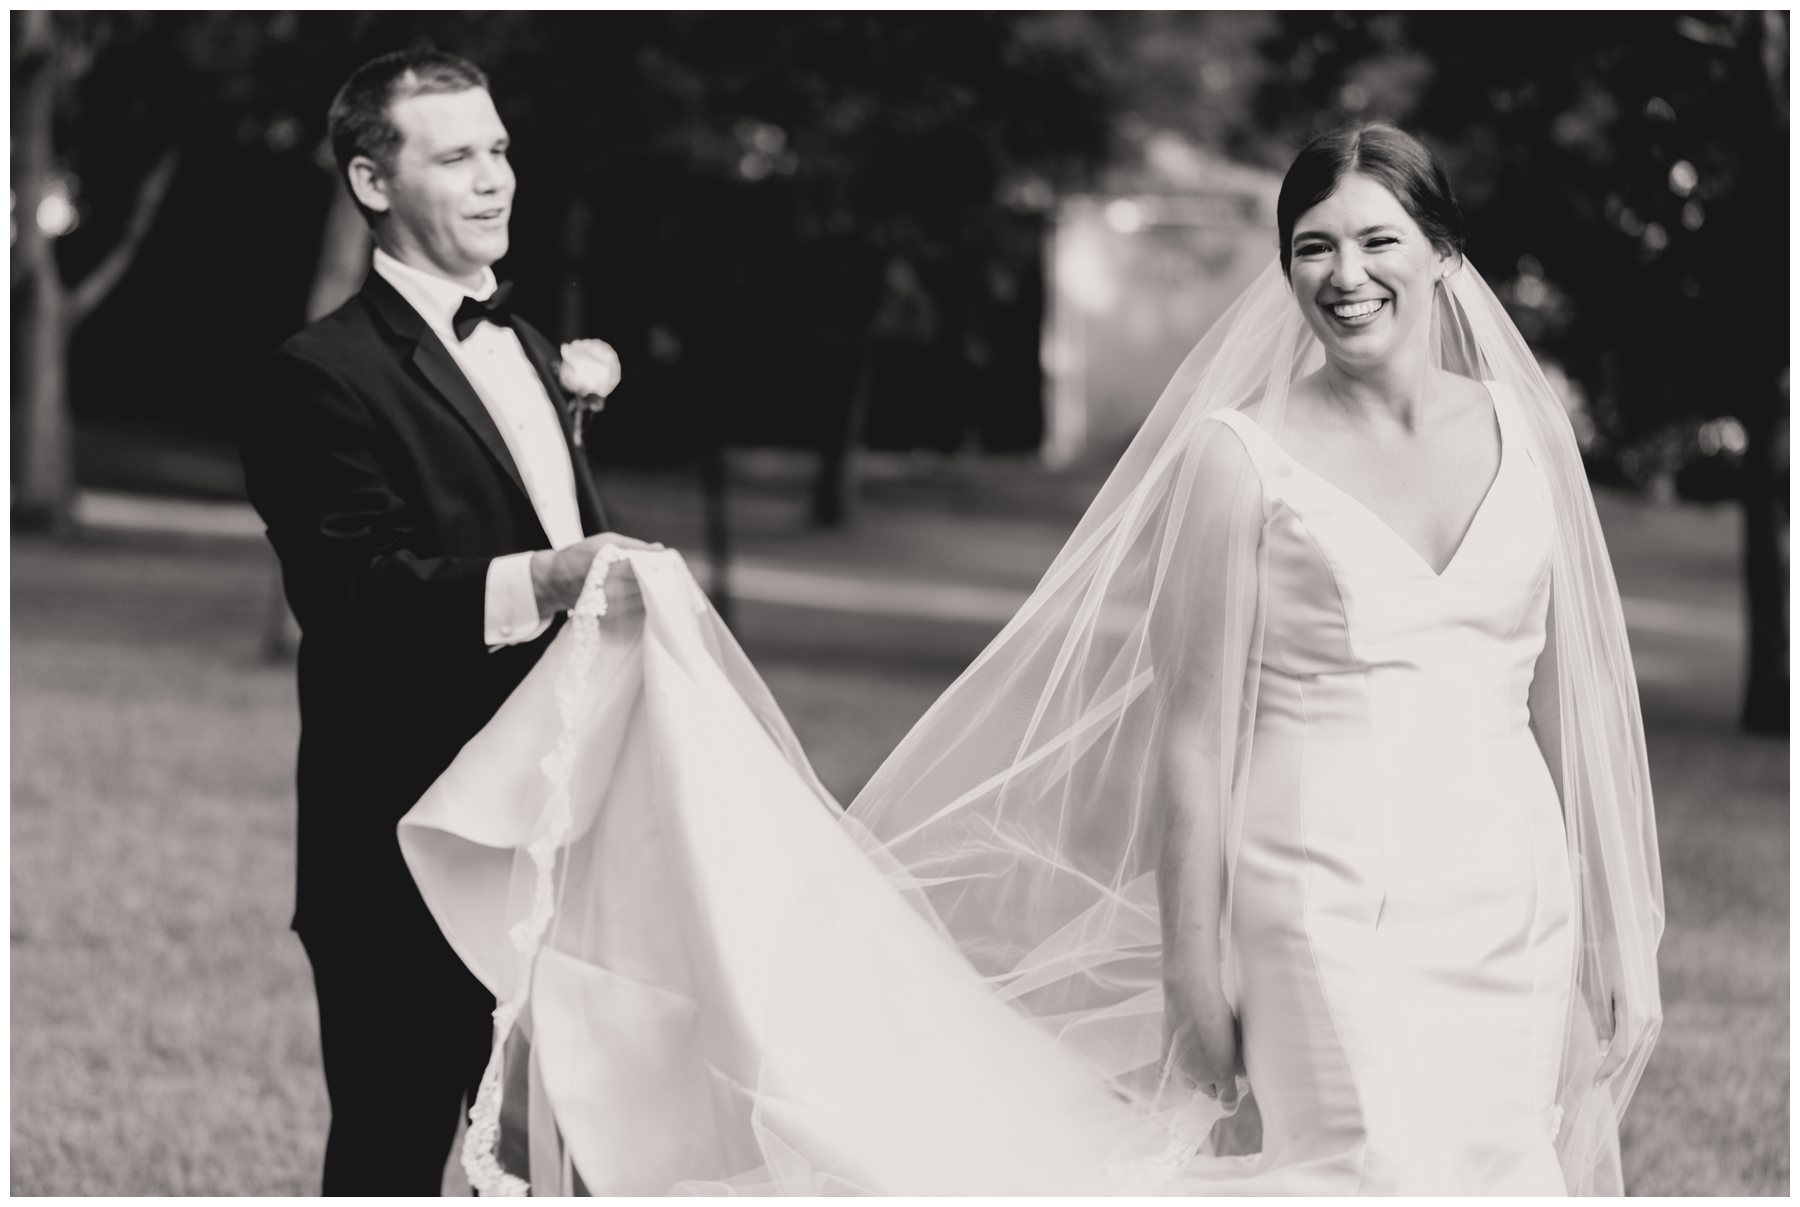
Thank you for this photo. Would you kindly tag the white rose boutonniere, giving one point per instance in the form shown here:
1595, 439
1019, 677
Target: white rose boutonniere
589, 372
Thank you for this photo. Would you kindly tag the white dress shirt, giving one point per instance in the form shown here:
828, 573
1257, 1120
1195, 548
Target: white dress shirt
495, 364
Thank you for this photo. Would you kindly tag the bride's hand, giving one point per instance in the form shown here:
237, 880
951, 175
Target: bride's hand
1200, 1044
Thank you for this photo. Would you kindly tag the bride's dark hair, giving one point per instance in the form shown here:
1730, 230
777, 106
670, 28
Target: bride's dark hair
1403, 165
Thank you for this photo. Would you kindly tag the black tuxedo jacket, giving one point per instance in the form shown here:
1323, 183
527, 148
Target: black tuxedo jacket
386, 490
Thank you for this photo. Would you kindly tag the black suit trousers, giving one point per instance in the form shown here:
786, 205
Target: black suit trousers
405, 1042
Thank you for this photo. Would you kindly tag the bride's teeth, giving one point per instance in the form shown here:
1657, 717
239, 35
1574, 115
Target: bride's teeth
1356, 309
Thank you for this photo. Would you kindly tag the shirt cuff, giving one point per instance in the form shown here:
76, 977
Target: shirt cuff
512, 613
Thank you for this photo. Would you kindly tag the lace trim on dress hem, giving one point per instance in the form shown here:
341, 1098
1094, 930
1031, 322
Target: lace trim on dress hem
481, 1145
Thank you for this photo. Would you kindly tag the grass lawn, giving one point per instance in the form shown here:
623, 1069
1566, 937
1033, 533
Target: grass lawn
163, 1031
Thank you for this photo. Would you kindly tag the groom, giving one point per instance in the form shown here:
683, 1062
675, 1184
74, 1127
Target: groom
413, 459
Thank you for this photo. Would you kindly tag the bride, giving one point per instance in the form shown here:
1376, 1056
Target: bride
1312, 771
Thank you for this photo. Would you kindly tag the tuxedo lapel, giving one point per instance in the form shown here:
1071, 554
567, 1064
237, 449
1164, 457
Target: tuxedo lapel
587, 495
433, 363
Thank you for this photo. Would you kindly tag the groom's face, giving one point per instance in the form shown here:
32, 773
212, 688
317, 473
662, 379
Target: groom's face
450, 188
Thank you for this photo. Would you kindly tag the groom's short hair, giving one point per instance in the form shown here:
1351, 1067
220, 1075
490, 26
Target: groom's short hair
360, 121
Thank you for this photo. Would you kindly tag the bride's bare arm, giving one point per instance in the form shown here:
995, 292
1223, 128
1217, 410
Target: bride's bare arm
1199, 1032
1201, 640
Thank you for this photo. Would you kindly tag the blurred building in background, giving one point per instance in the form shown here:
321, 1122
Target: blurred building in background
1137, 274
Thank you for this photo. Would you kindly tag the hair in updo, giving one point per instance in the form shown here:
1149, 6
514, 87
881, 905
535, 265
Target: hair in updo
1391, 156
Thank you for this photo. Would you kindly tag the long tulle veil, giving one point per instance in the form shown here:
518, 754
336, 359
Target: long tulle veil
1021, 820
1024, 807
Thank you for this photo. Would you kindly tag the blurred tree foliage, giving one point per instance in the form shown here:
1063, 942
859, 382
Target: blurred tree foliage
1625, 178
826, 229
804, 217
808, 228
818, 229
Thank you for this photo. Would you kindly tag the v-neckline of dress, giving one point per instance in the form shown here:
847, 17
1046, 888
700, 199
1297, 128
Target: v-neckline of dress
1381, 524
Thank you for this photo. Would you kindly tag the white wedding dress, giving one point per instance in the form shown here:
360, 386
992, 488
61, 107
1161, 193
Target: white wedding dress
1402, 938
708, 985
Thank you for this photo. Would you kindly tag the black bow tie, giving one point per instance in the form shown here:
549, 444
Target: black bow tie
491, 309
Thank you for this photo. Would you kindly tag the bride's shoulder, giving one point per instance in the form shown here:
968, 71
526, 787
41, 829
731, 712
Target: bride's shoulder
1231, 438
1471, 393
1257, 429
1232, 457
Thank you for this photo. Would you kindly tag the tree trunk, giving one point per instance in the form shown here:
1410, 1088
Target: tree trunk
835, 487
1765, 572
835, 483
1764, 63
344, 247
45, 499
714, 488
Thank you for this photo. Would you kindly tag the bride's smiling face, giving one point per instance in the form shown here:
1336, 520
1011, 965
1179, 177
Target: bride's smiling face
1364, 274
